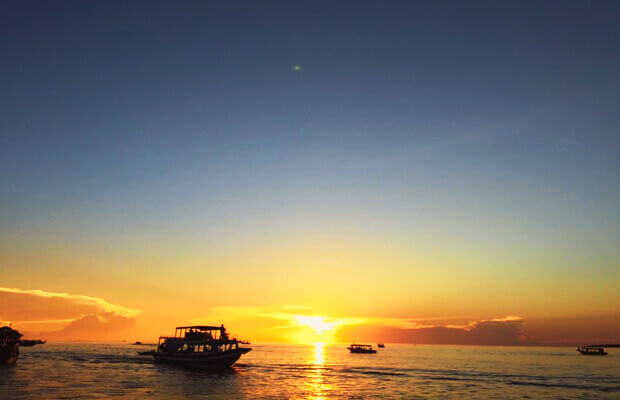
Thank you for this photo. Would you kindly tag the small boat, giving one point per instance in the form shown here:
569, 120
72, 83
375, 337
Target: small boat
198, 346
361, 348
381, 345
9, 345
31, 342
591, 351
137, 343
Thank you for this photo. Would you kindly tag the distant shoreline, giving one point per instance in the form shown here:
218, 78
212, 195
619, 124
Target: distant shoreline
104, 342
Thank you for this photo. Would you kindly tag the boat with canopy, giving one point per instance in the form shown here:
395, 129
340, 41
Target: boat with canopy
361, 348
198, 346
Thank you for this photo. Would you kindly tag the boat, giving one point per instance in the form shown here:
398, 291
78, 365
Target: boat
9, 345
198, 346
381, 345
361, 348
591, 351
31, 342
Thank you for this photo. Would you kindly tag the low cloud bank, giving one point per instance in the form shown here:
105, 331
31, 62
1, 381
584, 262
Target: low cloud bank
502, 331
63, 316
94, 326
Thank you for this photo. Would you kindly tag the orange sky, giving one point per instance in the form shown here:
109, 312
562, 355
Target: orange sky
64, 316
311, 171
303, 288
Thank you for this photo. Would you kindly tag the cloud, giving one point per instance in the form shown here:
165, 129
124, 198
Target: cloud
88, 327
300, 323
296, 307
498, 331
297, 323
75, 299
300, 316
63, 315
575, 330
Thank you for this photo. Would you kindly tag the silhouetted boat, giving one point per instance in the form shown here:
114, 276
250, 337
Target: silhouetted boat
381, 345
9, 345
361, 348
31, 342
138, 343
591, 351
198, 346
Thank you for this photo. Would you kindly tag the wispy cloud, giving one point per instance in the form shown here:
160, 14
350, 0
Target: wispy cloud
64, 315
78, 299
43, 321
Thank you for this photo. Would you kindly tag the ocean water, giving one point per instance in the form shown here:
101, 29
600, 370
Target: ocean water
86, 371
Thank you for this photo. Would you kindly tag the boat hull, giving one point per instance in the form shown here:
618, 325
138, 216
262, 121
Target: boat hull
362, 351
591, 351
592, 354
202, 360
9, 353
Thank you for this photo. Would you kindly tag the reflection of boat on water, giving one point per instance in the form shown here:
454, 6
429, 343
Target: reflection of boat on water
9, 345
591, 351
198, 346
381, 345
31, 342
361, 348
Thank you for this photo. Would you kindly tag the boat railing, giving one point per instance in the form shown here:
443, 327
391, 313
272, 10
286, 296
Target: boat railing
361, 346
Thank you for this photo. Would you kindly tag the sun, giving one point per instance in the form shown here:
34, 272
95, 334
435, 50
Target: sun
319, 329
318, 324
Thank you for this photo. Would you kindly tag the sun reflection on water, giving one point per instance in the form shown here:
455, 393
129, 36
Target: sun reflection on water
319, 353
317, 386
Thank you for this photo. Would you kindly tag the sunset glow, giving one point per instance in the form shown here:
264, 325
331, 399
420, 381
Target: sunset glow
354, 199
318, 324
308, 172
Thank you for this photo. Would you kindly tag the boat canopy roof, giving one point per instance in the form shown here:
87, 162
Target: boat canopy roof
7, 333
203, 327
364, 346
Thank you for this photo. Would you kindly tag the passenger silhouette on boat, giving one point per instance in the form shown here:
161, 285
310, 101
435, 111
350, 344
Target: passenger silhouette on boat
200, 346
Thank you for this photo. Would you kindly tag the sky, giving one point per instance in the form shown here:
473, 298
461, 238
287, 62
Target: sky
416, 171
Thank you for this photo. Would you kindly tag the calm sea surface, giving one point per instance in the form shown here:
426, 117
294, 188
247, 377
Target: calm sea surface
76, 371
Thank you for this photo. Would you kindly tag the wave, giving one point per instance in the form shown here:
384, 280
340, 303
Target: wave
371, 372
567, 386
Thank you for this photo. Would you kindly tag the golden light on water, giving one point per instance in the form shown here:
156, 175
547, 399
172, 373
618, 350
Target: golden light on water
317, 386
319, 353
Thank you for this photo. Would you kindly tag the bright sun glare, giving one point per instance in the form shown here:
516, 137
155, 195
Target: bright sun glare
318, 324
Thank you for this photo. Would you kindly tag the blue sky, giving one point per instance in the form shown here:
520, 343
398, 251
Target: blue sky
485, 127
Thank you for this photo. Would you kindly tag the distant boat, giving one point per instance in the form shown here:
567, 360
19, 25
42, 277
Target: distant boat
381, 345
9, 345
591, 351
361, 348
138, 343
198, 346
31, 342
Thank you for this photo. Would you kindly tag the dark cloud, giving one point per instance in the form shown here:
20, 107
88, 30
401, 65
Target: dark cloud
94, 326
27, 307
499, 332
41, 313
594, 329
